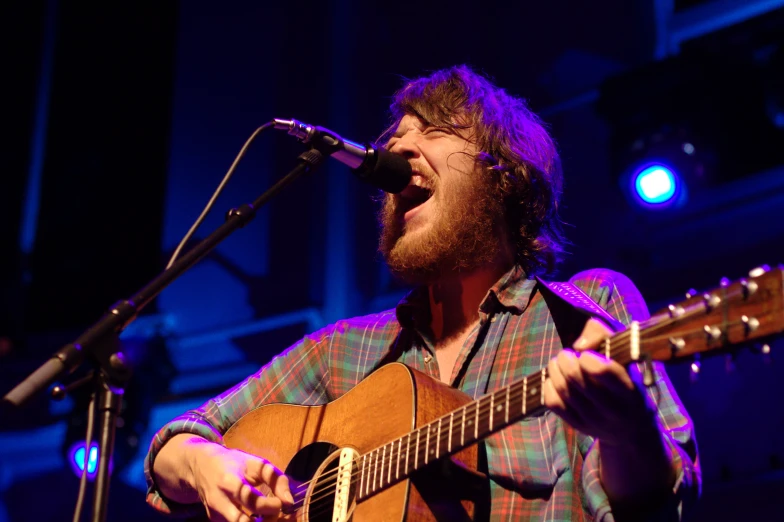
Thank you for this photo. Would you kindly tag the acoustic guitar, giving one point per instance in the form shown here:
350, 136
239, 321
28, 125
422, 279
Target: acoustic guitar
401, 445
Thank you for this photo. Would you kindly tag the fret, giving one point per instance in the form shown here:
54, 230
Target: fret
462, 430
408, 451
541, 386
366, 473
362, 474
369, 471
498, 407
416, 454
449, 442
375, 471
483, 426
427, 445
525, 393
383, 460
470, 422
438, 439
607, 348
389, 469
476, 422
397, 464
506, 411
492, 408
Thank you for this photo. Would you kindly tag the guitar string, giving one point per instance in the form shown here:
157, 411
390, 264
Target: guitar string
320, 492
444, 436
327, 489
420, 451
329, 484
656, 323
417, 450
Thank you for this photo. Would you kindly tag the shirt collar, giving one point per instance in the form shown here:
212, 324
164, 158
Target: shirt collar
512, 292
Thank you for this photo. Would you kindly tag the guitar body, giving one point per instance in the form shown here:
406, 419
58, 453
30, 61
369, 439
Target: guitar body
388, 404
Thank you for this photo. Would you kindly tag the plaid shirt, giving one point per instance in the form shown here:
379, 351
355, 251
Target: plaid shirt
540, 468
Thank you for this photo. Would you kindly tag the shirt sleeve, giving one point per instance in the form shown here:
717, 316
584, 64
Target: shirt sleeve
618, 295
297, 376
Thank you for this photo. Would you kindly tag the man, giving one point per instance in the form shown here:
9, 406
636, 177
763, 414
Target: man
477, 222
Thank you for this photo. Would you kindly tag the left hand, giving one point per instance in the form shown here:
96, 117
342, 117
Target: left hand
596, 395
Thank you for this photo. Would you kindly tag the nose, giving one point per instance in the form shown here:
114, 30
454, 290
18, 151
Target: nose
406, 146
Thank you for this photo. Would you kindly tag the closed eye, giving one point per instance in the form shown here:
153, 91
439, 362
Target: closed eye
437, 130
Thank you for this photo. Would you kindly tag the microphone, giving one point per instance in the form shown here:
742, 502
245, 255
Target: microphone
375, 165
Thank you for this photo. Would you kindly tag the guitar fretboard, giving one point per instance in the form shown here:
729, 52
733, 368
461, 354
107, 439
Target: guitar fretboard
395, 461
446, 435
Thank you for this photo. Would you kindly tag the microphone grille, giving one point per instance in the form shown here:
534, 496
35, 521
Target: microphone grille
388, 171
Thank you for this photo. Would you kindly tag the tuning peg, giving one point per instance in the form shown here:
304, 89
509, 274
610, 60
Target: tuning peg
691, 292
711, 301
767, 357
749, 287
713, 333
724, 282
695, 367
675, 311
756, 272
750, 324
763, 350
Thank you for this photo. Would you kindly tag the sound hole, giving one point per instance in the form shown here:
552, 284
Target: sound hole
303, 468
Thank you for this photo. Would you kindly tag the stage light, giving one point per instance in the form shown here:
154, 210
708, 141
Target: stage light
150, 381
656, 185
710, 119
76, 459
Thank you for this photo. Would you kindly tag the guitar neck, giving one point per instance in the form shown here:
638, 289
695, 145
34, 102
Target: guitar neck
735, 313
451, 433
475, 421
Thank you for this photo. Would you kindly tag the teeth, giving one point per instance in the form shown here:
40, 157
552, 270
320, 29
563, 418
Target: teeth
419, 181
414, 195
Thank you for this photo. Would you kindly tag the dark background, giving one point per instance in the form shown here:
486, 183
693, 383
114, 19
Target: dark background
120, 120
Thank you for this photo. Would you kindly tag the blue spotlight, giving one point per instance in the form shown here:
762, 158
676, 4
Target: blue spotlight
656, 185
77, 459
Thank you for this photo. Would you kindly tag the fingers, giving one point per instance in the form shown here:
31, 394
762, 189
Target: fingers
253, 501
273, 481
594, 395
236, 486
593, 333
605, 373
560, 398
260, 471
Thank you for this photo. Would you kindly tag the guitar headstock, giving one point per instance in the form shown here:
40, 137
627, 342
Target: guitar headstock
733, 314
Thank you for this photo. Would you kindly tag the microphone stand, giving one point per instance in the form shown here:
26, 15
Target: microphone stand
101, 344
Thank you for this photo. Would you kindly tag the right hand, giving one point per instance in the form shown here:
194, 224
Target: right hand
235, 486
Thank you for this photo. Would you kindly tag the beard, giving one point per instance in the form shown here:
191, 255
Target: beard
463, 233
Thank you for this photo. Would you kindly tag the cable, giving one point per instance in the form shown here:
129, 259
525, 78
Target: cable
87, 442
217, 193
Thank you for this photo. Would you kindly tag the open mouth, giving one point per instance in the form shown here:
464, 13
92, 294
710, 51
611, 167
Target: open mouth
412, 197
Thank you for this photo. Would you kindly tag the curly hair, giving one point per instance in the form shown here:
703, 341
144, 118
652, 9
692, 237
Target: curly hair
516, 152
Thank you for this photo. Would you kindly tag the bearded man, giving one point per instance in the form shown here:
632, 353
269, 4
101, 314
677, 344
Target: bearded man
474, 227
